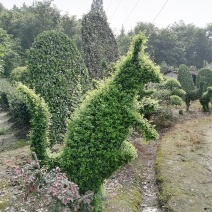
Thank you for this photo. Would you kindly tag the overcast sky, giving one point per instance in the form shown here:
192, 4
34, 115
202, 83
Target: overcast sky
130, 12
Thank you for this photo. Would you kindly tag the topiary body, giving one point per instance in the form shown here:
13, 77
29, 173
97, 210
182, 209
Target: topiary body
55, 70
96, 140
187, 83
95, 144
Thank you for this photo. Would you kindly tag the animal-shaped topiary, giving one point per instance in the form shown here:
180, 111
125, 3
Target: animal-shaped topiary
96, 141
205, 99
95, 144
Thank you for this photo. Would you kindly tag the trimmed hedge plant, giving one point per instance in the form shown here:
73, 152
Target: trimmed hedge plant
206, 98
185, 78
204, 75
39, 122
57, 72
96, 141
187, 83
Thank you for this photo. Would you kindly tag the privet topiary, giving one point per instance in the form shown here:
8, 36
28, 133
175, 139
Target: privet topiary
99, 44
56, 69
204, 75
39, 121
206, 98
95, 143
186, 81
175, 91
185, 78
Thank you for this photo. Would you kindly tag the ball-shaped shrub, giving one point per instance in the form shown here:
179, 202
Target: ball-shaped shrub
56, 72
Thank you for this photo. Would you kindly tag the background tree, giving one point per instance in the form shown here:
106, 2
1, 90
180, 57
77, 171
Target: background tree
168, 48
123, 42
26, 22
99, 44
9, 48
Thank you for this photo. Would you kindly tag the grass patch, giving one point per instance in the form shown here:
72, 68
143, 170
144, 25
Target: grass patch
165, 191
127, 200
19, 144
4, 203
3, 130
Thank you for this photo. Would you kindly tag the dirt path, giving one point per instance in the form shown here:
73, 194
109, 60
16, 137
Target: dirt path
148, 184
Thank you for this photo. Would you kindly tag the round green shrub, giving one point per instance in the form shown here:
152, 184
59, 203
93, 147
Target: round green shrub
13, 101
57, 72
175, 100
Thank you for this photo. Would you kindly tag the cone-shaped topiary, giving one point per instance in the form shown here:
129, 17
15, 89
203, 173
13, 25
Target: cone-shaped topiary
187, 83
99, 44
55, 70
185, 78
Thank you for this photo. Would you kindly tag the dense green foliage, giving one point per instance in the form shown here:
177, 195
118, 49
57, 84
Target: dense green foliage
57, 72
206, 98
179, 43
11, 99
19, 74
172, 92
26, 22
98, 42
185, 78
9, 49
96, 142
204, 75
176, 44
187, 83
39, 122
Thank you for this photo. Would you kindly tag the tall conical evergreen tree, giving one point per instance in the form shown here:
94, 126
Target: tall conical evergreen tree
99, 44
97, 7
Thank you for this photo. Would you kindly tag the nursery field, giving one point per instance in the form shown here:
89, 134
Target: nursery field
181, 181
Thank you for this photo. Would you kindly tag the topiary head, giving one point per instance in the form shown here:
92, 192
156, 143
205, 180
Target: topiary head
136, 68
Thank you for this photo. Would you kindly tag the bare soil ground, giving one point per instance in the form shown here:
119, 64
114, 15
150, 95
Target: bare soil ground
183, 165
